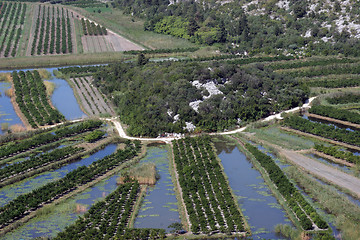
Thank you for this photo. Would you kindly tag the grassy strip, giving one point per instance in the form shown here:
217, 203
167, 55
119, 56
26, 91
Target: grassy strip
267, 180
347, 214
137, 206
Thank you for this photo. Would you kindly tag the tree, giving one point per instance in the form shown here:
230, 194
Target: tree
192, 27
142, 60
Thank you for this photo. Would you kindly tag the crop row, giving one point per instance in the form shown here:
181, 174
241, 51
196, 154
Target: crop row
332, 112
336, 83
301, 208
234, 59
37, 162
53, 31
206, 193
90, 28
80, 70
106, 218
24, 204
16, 18
310, 62
336, 69
15, 147
323, 130
336, 152
344, 99
32, 99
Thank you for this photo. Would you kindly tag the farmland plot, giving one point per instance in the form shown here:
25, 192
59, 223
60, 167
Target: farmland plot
90, 97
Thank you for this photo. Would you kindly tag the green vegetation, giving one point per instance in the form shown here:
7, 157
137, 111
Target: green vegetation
25, 203
303, 210
332, 112
204, 188
347, 214
338, 153
323, 130
344, 99
32, 99
145, 94
94, 136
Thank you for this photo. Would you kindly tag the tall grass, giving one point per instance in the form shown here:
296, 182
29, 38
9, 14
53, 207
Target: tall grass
347, 214
144, 173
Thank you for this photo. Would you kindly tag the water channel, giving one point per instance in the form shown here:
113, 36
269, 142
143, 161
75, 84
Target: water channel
159, 208
261, 208
12, 191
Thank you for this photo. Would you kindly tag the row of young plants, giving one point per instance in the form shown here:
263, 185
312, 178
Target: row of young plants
4, 14
24, 204
74, 71
333, 112
55, 30
205, 191
344, 99
19, 31
32, 99
323, 130
338, 153
38, 161
335, 83
16, 31
90, 28
336, 69
310, 62
164, 50
304, 212
108, 219
15, 147
10, 29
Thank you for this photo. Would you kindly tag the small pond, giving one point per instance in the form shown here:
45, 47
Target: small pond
159, 208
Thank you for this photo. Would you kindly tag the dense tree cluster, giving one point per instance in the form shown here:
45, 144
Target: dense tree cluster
302, 209
332, 112
206, 193
338, 153
146, 95
335, 83
24, 204
15, 147
323, 130
238, 30
32, 99
310, 62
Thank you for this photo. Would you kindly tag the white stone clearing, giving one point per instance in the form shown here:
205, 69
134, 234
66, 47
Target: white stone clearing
283, 4
189, 126
210, 87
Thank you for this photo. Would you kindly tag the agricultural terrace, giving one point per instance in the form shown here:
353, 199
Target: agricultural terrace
32, 29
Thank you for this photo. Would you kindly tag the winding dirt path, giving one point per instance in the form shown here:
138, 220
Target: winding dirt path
323, 171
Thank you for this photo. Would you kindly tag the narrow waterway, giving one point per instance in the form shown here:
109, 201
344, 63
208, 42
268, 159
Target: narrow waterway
12, 191
8, 116
159, 208
261, 208
64, 214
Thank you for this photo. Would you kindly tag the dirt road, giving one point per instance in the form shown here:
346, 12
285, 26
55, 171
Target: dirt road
323, 171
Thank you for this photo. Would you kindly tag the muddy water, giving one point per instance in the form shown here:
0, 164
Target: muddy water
261, 208
64, 214
7, 112
159, 208
12, 191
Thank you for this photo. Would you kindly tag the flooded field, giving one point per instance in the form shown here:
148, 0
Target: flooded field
159, 208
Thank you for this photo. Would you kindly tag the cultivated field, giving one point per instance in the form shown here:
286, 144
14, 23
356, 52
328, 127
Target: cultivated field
32, 29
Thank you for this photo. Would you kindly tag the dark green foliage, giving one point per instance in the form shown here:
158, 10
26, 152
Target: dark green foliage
293, 198
344, 99
175, 50
323, 130
21, 205
338, 153
90, 28
336, 83
336, 113
206, 193
32, 99
94, 136
7, 150
144, 94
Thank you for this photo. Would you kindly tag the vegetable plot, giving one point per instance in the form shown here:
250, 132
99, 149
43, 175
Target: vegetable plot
205, 191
